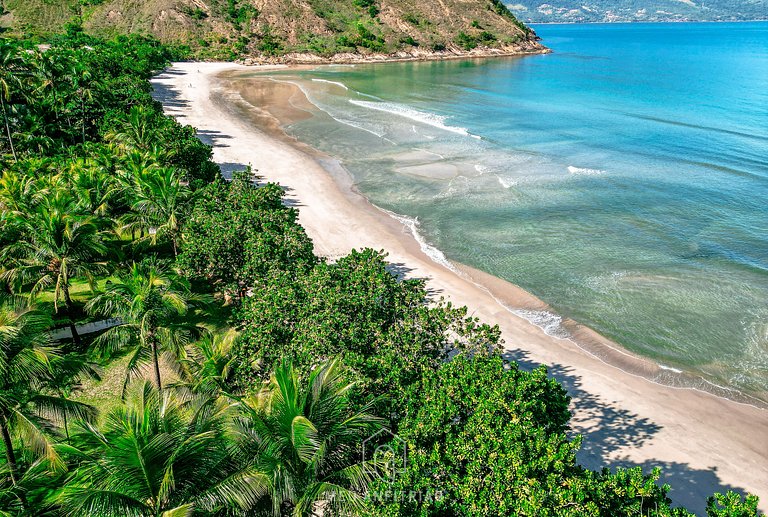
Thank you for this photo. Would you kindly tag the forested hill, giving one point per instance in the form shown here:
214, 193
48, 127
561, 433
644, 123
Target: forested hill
578, 11
274, 29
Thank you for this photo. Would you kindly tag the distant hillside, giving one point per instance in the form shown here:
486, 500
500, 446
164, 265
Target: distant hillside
274, 29
638, 10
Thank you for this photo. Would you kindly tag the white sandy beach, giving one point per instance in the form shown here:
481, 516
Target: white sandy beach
703, 443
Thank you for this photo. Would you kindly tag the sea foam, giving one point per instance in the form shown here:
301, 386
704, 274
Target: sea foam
584, 171
505, 182
335, 83
429, 119
549, 322
412, 223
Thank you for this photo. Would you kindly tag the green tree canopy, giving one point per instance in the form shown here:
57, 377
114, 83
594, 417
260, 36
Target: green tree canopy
385, 328
485, 438
238, 234
150, 302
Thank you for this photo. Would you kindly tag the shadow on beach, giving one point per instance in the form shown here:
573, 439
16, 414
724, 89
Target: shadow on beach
606, 428
167, 95
174, 104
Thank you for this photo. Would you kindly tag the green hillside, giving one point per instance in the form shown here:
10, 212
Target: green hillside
270, 28
577, 11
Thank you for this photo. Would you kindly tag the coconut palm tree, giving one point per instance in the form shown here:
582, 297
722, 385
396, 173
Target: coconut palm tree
158, 202
83, 91
9, 61
150, 302
208, 365
160, 455
305, 439
49, 74
28, 412
138, 132
58, 243
133, 169
93, 186
18, 193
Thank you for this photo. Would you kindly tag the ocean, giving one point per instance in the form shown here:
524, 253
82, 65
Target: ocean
623, 179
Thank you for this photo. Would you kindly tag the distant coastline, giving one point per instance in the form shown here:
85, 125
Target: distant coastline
530, 48
641, 22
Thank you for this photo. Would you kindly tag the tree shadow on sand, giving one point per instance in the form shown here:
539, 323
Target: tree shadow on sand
606, 427
169, 96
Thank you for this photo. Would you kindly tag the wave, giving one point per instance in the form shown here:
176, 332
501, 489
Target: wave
412, 223
698, 126
335, 83
429, 119
355, 125
506, 183
549, 322
584, 171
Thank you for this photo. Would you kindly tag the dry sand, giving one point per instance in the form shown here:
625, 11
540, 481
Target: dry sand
703, 443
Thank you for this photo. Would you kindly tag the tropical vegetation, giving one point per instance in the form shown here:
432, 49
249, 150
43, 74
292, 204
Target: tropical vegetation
171, 345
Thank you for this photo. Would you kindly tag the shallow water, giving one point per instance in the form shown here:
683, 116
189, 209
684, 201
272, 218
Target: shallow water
623, 179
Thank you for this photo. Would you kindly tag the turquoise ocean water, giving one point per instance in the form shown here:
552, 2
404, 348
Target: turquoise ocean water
623, 178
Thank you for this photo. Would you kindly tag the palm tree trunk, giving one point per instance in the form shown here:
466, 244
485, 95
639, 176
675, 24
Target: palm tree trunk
156, 364
82, 109
10, 456
66, 426
71, 131
70, 314
7, 128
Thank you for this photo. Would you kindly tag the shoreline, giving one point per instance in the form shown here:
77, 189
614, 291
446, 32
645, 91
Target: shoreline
702, 442
515, 299
300, 59
630, 22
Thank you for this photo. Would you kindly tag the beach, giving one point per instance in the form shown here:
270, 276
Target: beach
622, 405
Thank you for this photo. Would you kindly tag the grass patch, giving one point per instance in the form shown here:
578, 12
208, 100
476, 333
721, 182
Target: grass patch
104, 394
80, 291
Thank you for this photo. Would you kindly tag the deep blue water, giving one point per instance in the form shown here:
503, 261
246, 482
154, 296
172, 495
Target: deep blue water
622, 178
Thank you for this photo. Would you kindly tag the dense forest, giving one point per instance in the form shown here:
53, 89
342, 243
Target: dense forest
170, 345
571, 11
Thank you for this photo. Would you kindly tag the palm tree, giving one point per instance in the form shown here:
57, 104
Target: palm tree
47, 67
8, 63
208, 365
132, 170
57, 244
93, 186
160, 456
68, 372
158, 202
82, 80
304, 439
18, 193
139, 132
28, 413
150, 302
